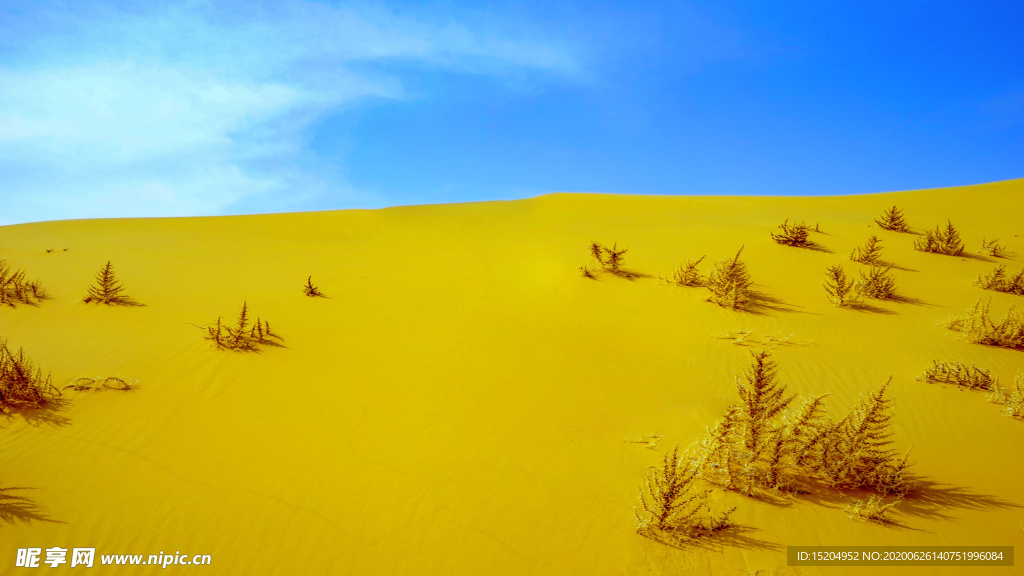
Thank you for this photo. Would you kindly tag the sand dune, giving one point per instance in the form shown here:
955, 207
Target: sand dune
462, 399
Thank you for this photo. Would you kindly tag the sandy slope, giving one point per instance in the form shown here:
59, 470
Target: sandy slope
459, 403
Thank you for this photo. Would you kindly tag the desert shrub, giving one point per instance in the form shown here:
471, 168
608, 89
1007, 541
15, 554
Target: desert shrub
108, 289
870, 253
610, 260
674, 502
993, 248
960, 374
244, 336
878, 283
976, 326
310, 290
941, 241
688, 275
22, 385
730, 283
762, 444
793, 235
1011, 400
873, 508
1000, 281
858, 453
892, 219
15, 288
841, 290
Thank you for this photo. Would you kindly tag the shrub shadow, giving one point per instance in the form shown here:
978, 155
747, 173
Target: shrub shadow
50, 415
15, 508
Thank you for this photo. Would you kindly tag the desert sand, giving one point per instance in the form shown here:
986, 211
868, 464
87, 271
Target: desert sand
463, 401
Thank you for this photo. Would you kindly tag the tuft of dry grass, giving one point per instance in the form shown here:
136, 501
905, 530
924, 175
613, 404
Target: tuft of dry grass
108, 289
872, 508
310, 290
892, 219
688, 275
960, 374
15, 288
841, 290
941, 241
793, 235
22, 385
1000, 281
730, 284
1012, 401
975, 325
878, 283
870, 253
674, 503
244, 336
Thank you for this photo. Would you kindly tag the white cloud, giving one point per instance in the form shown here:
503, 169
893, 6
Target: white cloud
193, 109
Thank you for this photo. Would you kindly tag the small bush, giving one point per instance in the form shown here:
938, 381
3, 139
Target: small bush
22, 385
15, 288
941, 241
1000, 281
1011, 400
870, 253
873, 508
841, 290
793, 235
976, 326
610, 260
310, 290
244, 336
993, 248
960, 374
688, 275
730, 284
673, 503
108, 289
878, 283
892, 219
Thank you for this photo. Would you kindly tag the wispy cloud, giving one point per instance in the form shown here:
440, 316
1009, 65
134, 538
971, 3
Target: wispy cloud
192, 109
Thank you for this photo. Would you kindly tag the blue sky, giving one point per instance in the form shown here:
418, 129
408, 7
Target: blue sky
114, 109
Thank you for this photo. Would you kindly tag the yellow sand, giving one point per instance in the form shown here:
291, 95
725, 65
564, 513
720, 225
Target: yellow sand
460, 404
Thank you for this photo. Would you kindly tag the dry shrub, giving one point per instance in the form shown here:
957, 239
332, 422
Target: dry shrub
610, 260
993, 248
841, 290
15, 288
793, 235
22, 385
1000, 281
730, 283
976, 326
674, 503
688, 275
857, 452
941, 241
892, 219
1012, 401
960, 374
762, 444
310, 290
872, 508
870, 253
108, 289
244, 336
878, 283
